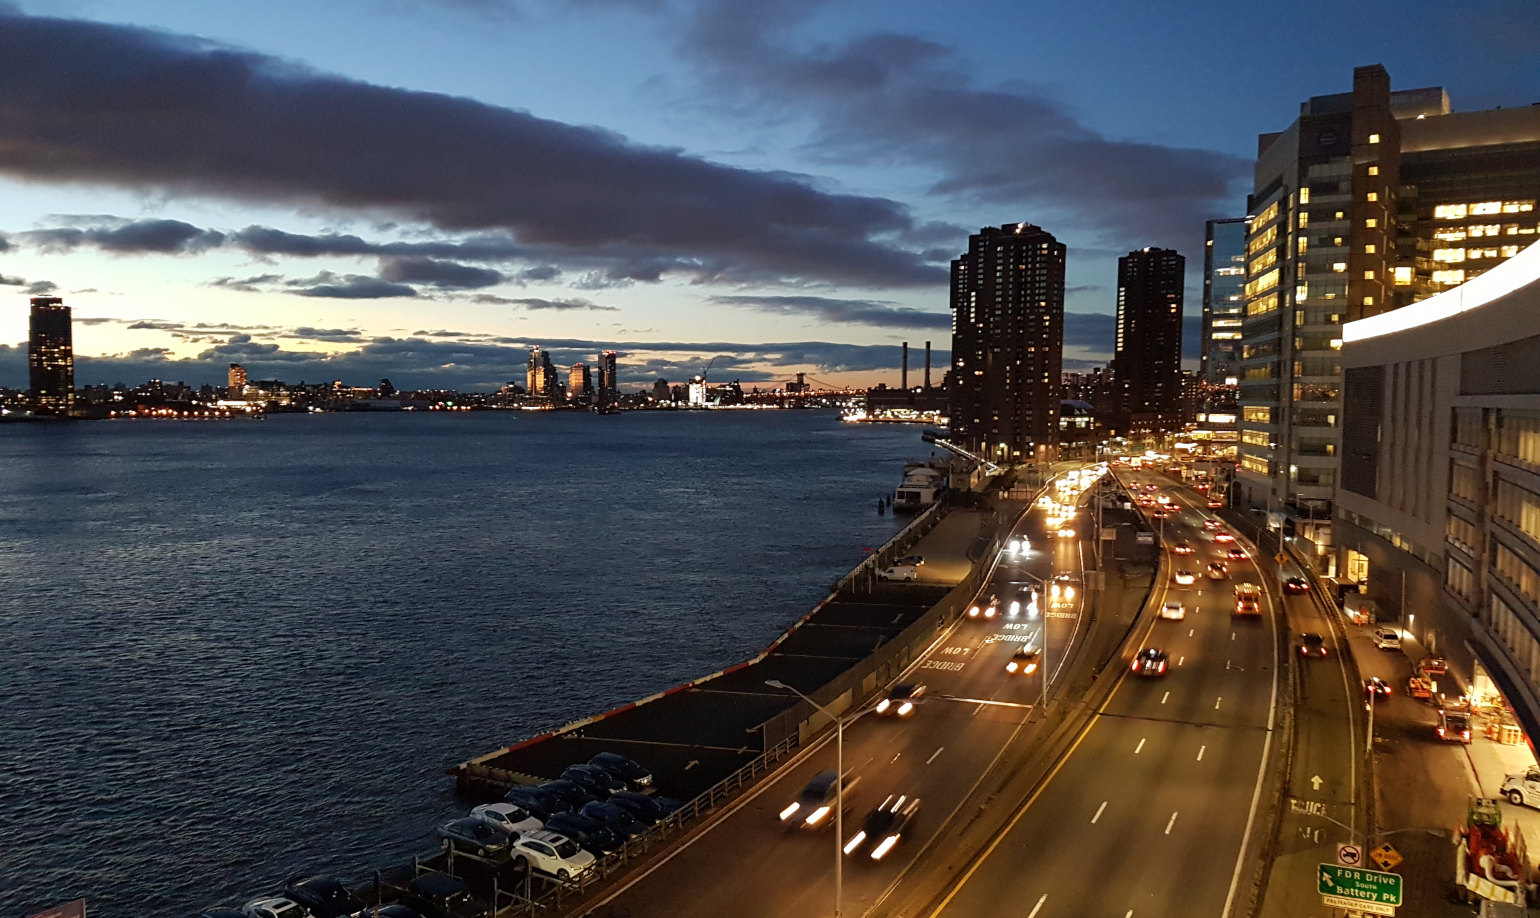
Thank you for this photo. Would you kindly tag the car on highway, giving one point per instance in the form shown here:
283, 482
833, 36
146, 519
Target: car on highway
1223, 536
1236, 554
1212, 525
1296, 585
598, 782
1024, 661
1453, 726
1376, 688
884, 827
900, 700
814, 806
1387, 639
508, 817
1215, 503
1185, 578
1066, 532
439, 895
274, 907
986, 610
1062, 589
623, 768
1182, 548
553, 854
323, 897
1173, 609
1312, 645
1150, 661
470, 835
901, 572
1218, 570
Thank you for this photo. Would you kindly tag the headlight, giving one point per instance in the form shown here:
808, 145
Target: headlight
855, 841
884, 704
789, 812
884, 848
815, 817
1010, 667
906, 707
1015, 608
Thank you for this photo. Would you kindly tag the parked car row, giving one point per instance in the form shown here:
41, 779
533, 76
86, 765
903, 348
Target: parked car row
429, 895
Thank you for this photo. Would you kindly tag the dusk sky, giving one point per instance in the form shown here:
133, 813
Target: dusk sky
422, 189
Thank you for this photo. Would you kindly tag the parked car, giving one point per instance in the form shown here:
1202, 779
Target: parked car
619, 820
1173, 609
650, 810
220, 912
507, 817
439, 895
1453, 726
323, 897
1387, 639
884, 827
387, 911
542, 804
594, 836
1150, 662
1312, 645
598, 782
1522, 788
900, 700
905, 572
1024, 661
553, 854
470, 835
1296, 585
910, 560
623, 768
571, 793
274, 907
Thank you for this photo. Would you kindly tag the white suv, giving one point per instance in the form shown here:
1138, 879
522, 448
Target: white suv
900, 572
1387, 639
552, 854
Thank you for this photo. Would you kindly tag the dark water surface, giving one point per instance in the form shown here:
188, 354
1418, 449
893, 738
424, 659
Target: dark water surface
235, 651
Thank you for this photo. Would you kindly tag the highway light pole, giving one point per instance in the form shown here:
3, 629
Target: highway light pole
839, 789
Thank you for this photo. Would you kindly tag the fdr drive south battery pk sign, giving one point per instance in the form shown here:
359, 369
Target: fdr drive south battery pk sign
1357, 888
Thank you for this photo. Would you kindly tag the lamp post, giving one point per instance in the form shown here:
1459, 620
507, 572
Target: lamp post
839, 789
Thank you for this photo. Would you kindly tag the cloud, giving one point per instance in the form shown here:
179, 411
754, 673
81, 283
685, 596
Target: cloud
42, 288
328, 334
849, 312
350, 287
171, 237
12, 281
902, 101
89, 102
1093, 332
438, 273
253, 284
538, 303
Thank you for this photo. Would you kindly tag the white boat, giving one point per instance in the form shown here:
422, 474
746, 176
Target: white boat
923, 483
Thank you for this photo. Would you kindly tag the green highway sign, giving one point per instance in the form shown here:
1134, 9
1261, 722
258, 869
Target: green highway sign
1359, 885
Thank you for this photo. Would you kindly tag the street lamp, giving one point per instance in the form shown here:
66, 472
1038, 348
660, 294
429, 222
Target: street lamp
839, 789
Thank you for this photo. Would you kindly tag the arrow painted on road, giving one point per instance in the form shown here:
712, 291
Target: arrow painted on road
1315, 782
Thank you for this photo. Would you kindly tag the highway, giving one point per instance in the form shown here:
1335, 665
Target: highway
1149, 812
748, 862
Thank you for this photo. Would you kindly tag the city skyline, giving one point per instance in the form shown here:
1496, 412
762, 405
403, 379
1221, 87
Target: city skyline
860, 160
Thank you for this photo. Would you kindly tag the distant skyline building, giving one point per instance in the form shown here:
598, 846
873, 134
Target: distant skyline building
541, 380
1224, 299
51, 357
609, 384
1147, 355
580, 384
1007, 300
1369, 201
235, 383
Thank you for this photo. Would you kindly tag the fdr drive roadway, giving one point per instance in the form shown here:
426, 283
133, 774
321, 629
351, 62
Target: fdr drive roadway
1125, 796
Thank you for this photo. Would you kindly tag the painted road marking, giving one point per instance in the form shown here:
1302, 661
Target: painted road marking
1200, 752
934, 754
1232, 635
1168, 826
1164, 697
1190, 631
1033, 913
1138, 747
1180, 660
1098, 812
1217, 700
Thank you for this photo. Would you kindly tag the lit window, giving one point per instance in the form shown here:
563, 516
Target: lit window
1455, 235
1338, 216
1368, 301
1373, 196
1304, 218
1450, 211
1403, 277
1449, 256
1374, 170
1371, 223
1302, 245
1368, 275
1370, 249
1508, 251
1374, 138
1339, 266
1487, 207
1304, 196
1451, 276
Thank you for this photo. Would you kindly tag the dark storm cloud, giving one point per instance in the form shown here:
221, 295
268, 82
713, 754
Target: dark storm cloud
897, 99
42, 288
849, 312
345, 335
438, 273
12, 281
253, 284
91, 102
350, 287
135, 236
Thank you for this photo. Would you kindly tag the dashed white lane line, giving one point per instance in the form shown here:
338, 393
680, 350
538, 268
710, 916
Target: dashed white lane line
1181, 660
1200, 752
934, 754
1164, 697
1217, 701
1098, 812
1171, 823
1139, 747
1033, 913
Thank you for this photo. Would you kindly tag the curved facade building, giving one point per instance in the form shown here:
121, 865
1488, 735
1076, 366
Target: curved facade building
1438, 509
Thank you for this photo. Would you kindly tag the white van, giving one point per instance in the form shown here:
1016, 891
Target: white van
900, 572
1387, 639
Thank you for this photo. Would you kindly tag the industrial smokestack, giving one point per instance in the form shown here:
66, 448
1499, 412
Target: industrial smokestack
927, 365
904, 377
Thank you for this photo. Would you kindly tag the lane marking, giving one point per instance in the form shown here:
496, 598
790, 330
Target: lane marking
1180, 660
1139, 747
1164, 697
1129, 914
895, 758
934, 754
1190, 631
1098, 812
1168, 829
1033, 913
1232, 635
1200, 752
1217, 701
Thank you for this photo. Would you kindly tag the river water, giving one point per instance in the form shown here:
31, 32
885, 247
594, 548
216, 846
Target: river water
235, 651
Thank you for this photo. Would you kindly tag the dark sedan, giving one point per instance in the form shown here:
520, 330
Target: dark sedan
571, 793
598, 782
1312, 645
592, 835
1150, 662
623, 768
472, 836
1296, 585
649, 810
1376, 688
324, 897
884, 827
541, 803
439, 895
620, 821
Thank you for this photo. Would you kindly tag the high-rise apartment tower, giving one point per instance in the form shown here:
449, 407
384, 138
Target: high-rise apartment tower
1147, 360
51, 357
